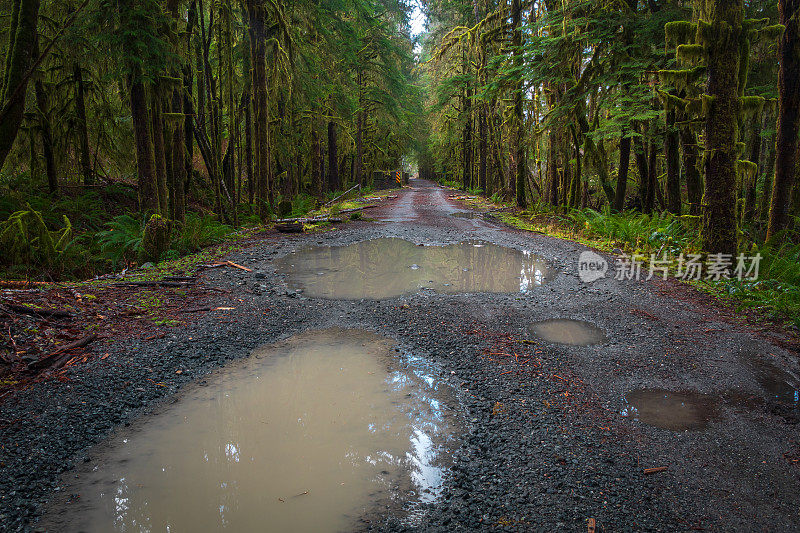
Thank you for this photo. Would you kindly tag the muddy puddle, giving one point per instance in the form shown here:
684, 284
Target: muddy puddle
311, 434
676, 411
568, 331
390, 267
780, 386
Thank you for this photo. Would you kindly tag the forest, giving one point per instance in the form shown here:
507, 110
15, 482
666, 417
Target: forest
142, 130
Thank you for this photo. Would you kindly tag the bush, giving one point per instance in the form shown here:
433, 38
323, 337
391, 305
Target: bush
122, 240
197, 232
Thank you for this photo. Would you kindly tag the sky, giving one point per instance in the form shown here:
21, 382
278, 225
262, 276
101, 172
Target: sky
417, 20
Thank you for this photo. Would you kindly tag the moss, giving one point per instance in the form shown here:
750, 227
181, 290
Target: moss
770, 33
679, 32
671, 101
751, 106
689, 53
746, 169
155, 240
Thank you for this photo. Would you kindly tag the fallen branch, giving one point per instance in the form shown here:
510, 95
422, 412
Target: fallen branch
28, 310
12, 284
54, 358
152, 284
655, 470
345, 193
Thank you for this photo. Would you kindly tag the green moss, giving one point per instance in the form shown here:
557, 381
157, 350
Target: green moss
155, 240
679, 32
689, 53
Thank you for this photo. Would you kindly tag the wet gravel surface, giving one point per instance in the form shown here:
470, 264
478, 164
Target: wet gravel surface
545, 447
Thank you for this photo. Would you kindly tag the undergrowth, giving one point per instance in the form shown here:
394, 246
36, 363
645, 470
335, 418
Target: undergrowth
776, 292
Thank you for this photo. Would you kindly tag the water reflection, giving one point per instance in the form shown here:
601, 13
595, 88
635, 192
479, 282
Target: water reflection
309, 437
676, 411
389, 267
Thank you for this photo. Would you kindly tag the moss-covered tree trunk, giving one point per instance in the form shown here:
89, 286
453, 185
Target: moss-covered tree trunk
46, 134
333, 158
672, 157
19, 59
359, 161
159, 153
145, 162
519, 119
694, 181
788, 116
722, 37
263, 151
622, 173
81, 125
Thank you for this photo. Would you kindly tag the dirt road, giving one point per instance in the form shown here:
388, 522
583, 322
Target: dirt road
547, 444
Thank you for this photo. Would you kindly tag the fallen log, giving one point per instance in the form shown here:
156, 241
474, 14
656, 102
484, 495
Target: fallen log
290, 227
28, 310
152, 284
13, 284
345, 193
54, 358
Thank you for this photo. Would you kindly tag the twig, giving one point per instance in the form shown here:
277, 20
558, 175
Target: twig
50, 358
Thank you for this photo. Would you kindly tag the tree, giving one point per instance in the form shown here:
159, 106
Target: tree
788, 117
19, 60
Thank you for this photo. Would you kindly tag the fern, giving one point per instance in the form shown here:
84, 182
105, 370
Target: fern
122, 240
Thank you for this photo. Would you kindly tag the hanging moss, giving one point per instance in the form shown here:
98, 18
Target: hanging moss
751, 106
694, 106
681, 79
746, 170
689, 53
770, 33
671, 101
740, 148
705, 32
679, 32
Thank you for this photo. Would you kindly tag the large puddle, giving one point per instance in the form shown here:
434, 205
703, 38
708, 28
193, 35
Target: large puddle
390, 267
568, 331
676, 411
308, 435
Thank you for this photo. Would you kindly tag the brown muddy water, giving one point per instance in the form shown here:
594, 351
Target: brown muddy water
568, 331
309, 435
390, 267
676, 411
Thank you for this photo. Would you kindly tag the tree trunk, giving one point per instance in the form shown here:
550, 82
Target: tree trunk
18, 62
622, 176
248, 149
788, 116
263, 148
81, 125
333, 158
519, 123
145, 162
752, 180
694, 181
673, 161
47, 136
316, 164
719, 232
159, 156
359, 161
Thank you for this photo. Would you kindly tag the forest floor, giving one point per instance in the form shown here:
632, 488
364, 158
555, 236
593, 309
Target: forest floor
546, 447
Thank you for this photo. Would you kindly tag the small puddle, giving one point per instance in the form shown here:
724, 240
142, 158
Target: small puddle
311, 434
390, 267
568, 331
781, 387
676, 411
